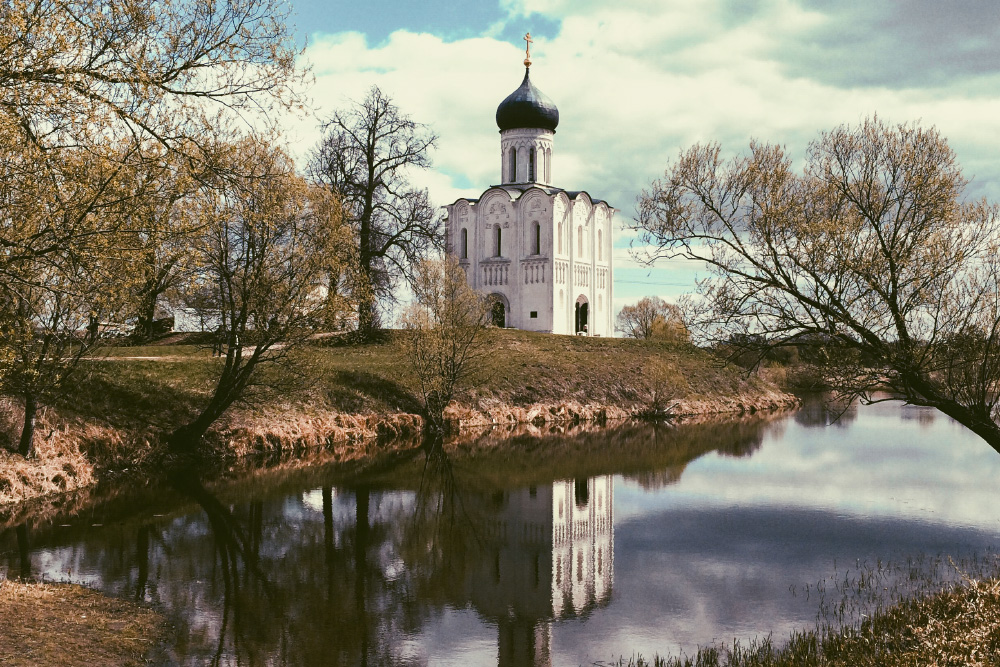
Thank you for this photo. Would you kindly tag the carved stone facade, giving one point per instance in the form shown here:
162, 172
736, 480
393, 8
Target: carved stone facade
542, 252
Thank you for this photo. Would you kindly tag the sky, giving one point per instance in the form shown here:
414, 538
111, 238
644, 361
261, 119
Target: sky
637, 81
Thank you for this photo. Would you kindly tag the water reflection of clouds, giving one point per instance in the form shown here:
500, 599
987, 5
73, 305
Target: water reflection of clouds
927, 469
685, 574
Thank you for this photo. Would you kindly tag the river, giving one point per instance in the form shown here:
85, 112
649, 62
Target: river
563, 548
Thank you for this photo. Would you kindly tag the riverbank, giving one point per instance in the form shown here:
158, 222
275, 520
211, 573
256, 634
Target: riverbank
63, 625
355, 400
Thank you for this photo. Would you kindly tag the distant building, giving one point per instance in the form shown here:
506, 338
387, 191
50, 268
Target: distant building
543, 253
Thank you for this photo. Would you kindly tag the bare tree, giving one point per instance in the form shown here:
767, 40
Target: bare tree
446, 325
652, 317
258, 261
872, 253
365, 158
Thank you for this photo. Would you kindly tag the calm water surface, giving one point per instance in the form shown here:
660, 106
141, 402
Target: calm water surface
560, 549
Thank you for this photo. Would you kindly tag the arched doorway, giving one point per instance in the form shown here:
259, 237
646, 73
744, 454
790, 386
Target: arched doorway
498, 310
582, 315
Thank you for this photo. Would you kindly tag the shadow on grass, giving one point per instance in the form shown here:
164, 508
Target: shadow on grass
131, 402
355, 390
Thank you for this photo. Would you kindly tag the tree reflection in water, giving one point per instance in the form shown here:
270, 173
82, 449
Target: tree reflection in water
349, 575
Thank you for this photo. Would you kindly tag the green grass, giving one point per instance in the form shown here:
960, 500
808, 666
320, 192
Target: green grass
521, 368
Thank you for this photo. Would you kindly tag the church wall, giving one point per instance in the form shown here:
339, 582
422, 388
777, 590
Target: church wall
580, 270
575, 258
562, 316
601, 262
535, 263
497, 274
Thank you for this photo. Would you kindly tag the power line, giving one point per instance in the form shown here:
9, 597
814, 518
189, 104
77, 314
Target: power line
652, 282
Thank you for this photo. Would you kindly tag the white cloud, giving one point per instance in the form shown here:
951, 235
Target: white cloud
635, 83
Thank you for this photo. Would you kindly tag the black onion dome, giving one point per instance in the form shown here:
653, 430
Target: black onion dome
527, 107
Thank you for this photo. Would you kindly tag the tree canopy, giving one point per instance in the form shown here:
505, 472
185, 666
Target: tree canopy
872, 252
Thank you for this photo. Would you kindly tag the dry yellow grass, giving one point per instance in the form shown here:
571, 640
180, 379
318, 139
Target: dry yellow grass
960, 627
957, 627
62, 625
294, 428
59, 463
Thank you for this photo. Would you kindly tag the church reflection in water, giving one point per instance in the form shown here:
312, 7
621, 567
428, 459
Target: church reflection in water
548, 556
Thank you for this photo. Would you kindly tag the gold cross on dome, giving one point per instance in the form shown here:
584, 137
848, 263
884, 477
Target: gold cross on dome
527, 49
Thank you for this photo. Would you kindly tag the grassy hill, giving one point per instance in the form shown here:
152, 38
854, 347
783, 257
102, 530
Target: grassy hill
163, 384
353, 399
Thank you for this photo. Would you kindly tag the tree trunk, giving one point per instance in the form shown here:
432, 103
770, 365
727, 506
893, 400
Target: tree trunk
146, 316
367, 319
435, 425
985, 428
26, 446
975, 418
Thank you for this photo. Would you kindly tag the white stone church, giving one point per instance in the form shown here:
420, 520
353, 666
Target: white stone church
543, 253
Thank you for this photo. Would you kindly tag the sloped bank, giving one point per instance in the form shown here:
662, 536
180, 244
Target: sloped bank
355, 437
495, 412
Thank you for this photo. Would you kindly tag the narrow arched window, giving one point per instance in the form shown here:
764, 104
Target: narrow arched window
465, 243
600, 246
548, 165
579, 241
499, 247
513, 165
560, 237
531, 165
538, 239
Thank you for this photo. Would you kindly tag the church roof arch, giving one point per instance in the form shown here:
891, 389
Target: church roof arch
492, 195
533, 192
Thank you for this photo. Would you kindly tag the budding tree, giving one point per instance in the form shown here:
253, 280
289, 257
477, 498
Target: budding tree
874, 253
55, 297
76, 71
261, 270
445, 325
